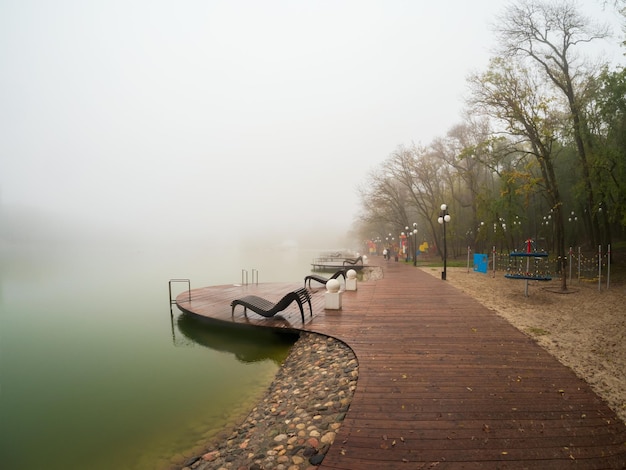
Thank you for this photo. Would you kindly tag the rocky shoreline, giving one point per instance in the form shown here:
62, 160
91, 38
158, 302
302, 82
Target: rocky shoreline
295, 423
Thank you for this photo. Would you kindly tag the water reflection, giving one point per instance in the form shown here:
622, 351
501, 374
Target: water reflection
82, 330
246, 344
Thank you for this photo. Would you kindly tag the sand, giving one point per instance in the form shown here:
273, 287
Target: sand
585, 328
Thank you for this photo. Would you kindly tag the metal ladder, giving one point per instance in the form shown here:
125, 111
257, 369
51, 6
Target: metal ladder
244, 277
173, 301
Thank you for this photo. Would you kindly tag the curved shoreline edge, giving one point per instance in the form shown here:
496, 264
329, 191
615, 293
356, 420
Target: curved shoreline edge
296, 421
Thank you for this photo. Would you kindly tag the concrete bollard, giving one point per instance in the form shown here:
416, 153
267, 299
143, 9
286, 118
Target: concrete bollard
351, 280
332, 298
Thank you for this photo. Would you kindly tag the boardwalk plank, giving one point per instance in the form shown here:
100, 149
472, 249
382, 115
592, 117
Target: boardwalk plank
443, 381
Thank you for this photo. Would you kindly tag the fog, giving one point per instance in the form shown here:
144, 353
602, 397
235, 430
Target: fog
219, 120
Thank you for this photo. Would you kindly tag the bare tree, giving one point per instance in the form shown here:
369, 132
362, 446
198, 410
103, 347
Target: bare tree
423, 180
463, 151
384, 199
407, 187
547, 33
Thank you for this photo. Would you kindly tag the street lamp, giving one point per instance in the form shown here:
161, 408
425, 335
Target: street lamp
574, 218
414, 243
408, 243
443, 219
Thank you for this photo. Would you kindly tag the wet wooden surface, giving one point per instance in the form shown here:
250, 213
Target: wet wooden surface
443, 382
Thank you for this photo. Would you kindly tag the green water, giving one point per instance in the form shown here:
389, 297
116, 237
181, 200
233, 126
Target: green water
95, 371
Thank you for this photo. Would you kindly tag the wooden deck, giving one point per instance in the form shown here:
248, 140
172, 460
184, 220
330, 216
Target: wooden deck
443, 381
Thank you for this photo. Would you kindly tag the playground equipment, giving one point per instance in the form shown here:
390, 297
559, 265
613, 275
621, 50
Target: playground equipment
517, 258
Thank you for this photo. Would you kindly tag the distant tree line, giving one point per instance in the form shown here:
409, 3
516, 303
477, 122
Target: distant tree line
540, 153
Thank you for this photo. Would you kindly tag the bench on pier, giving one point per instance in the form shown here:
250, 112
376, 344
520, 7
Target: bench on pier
268, 309
322, 279
353, 261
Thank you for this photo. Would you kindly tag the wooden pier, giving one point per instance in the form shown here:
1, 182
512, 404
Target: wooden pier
443, 381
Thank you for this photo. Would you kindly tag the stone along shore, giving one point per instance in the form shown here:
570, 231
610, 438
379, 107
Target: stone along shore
293, 426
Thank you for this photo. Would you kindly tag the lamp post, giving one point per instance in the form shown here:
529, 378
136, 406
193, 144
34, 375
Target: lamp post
517, 227
574, 218
443, 219
414, 243
407, 243
548, 232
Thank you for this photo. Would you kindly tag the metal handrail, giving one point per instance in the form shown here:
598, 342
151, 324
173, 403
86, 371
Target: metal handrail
188, 289
254, 276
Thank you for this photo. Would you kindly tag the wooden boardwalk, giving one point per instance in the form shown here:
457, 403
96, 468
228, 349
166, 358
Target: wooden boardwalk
443, 381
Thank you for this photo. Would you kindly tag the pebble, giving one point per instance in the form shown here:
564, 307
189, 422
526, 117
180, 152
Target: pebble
296, 422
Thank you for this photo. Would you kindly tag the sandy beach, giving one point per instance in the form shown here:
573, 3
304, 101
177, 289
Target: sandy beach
585, 328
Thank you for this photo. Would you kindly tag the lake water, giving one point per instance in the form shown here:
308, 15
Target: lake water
95, 372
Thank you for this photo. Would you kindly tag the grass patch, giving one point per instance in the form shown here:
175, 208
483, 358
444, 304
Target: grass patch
537, 331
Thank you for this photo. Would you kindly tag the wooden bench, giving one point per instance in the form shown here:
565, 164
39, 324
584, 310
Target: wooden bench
265, 308
322, 279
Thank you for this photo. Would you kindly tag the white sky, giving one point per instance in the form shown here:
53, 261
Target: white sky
223, 117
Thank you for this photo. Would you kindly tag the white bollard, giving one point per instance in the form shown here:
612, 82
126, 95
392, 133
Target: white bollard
351, 280
332, 298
